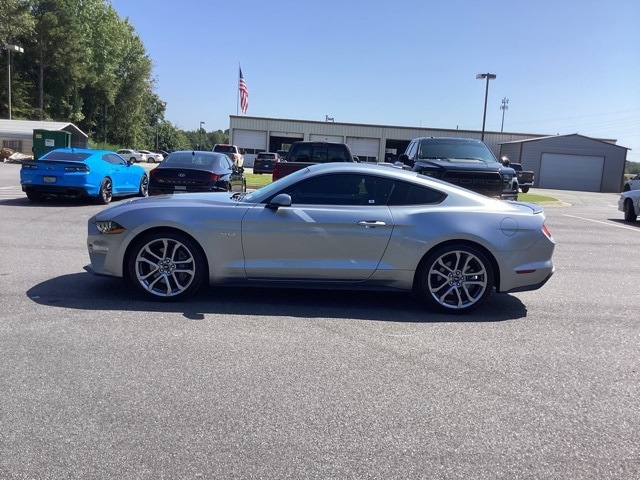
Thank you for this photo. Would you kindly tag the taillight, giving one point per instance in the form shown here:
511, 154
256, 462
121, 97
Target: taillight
546, 231
215, 177
77, 168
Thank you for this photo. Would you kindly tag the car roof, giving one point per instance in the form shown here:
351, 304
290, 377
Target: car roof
450, 139
90, 151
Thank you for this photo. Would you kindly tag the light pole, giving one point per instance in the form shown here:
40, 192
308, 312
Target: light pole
9, 49
200, 134
482, 76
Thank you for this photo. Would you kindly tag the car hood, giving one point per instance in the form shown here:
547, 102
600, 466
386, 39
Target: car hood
180, 200
459, 164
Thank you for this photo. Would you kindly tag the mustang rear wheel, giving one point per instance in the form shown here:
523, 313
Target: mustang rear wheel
166, 265
455, 279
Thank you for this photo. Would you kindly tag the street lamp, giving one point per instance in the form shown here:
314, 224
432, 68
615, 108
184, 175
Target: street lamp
9, 49
482, 76
200, 134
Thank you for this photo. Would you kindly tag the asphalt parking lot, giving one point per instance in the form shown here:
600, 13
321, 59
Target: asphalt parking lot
247, 383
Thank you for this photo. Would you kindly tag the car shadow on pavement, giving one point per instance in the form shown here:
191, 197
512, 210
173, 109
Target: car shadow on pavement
57, 202
620, 221
87, 292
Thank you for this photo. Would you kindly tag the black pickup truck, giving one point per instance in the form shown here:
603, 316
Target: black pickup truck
466, 162
525, 177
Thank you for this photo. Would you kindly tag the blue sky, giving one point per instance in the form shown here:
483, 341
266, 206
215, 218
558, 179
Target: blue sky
566, 66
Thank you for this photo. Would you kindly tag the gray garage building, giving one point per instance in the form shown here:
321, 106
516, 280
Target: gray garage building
570, 162
18, 134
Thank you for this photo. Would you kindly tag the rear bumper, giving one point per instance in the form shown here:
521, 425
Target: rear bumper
57, 190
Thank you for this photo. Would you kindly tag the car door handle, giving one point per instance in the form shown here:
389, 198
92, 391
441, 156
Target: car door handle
371, 223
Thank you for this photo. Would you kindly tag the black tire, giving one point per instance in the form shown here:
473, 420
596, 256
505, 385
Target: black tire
443, 284
151, 160
629, 211
143, 191
524, 189
106, 192
166, 266
35, 196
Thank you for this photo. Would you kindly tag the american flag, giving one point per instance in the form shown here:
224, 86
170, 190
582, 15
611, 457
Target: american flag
244, 93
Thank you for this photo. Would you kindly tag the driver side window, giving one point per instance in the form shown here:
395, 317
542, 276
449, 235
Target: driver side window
341, 189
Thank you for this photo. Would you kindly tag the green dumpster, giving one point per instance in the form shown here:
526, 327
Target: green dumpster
46, 140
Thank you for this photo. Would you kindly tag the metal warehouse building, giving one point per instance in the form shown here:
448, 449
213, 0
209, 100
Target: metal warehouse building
18, 134
383, 142
570, 162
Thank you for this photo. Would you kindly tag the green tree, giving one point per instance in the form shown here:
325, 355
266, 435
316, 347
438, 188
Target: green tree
16, 22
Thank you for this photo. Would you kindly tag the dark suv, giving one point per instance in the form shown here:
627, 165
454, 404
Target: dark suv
263, 163
466, 162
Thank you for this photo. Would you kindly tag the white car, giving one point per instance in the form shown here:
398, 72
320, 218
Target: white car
629, 203
133, 155
152, 157
632, 184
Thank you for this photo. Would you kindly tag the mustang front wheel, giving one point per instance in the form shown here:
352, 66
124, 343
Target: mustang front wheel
167, 265
455, 279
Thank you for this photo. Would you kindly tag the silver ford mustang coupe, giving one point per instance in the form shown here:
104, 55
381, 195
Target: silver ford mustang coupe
335, 225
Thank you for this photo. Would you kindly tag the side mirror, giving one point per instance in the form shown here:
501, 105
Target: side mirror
405, 159
280, 200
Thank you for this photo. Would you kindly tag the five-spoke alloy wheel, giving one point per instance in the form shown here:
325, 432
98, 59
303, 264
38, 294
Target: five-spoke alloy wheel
166, 265
455, 279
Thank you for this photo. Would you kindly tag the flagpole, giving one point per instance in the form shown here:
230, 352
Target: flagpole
238, 90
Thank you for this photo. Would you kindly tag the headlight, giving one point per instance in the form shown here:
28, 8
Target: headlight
109, 226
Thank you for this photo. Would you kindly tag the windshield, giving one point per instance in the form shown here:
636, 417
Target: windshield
68, 156
224, 149
472, 151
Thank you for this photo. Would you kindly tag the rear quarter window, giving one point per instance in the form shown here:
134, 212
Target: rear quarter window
409, 194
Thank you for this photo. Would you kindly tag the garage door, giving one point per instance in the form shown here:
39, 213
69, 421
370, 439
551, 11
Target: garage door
571, 172
364, 147
326, 138
250, 139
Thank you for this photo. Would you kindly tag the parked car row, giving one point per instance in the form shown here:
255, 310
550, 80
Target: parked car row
137, 156
101, 175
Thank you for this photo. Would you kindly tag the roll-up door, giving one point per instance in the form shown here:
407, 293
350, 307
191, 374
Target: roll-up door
364, 147
571, 172
250, 139
326, 138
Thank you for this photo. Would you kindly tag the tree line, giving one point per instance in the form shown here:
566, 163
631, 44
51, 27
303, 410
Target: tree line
84, 64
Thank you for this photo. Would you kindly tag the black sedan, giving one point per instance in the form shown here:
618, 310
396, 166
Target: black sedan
196, 171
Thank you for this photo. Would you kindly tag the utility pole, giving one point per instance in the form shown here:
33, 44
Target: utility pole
503, 107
